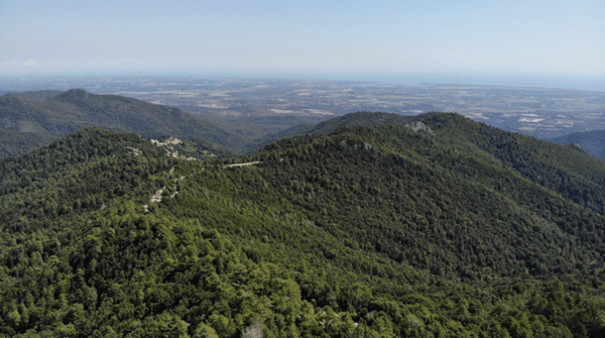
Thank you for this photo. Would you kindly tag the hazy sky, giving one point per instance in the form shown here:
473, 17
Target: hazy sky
551, 37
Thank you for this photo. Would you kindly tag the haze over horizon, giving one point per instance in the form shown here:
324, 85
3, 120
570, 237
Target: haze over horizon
539, 43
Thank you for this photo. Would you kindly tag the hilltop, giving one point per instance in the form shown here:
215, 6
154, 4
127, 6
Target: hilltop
374, 225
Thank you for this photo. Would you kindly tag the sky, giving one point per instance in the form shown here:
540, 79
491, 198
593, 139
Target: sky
470, 39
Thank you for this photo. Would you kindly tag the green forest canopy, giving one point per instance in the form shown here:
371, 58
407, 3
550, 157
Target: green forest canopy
432, 226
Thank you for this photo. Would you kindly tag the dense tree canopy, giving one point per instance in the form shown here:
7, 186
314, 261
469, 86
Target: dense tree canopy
427, 226
31, 119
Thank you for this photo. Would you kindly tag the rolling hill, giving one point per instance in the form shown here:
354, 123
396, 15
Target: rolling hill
593, 142
46, 115
374, 225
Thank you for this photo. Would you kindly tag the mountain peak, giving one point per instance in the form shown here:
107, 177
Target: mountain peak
77, 91
74, 94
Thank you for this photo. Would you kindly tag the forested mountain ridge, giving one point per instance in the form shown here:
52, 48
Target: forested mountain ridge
359, 119
565, 169
325, 127
37, 95
432, 226
49, 116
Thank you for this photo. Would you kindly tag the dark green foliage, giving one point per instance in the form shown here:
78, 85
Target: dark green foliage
562, 169
56, 115
406, 203
364, 119
593, 142
432, 226
38, 95
15, 143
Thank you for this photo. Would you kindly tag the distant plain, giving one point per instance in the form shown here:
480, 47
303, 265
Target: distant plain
282, 103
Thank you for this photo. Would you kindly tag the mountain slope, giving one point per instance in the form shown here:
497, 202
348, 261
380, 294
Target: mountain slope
38, 95
593, 142
114, 268
438, 226
14, 142
74, 109
433, 187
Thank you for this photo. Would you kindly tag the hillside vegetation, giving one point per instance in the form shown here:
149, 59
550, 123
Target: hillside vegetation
45, 116
593, 142
372, 225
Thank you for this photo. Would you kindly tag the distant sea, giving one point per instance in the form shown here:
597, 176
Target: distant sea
565, 81
578, 82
